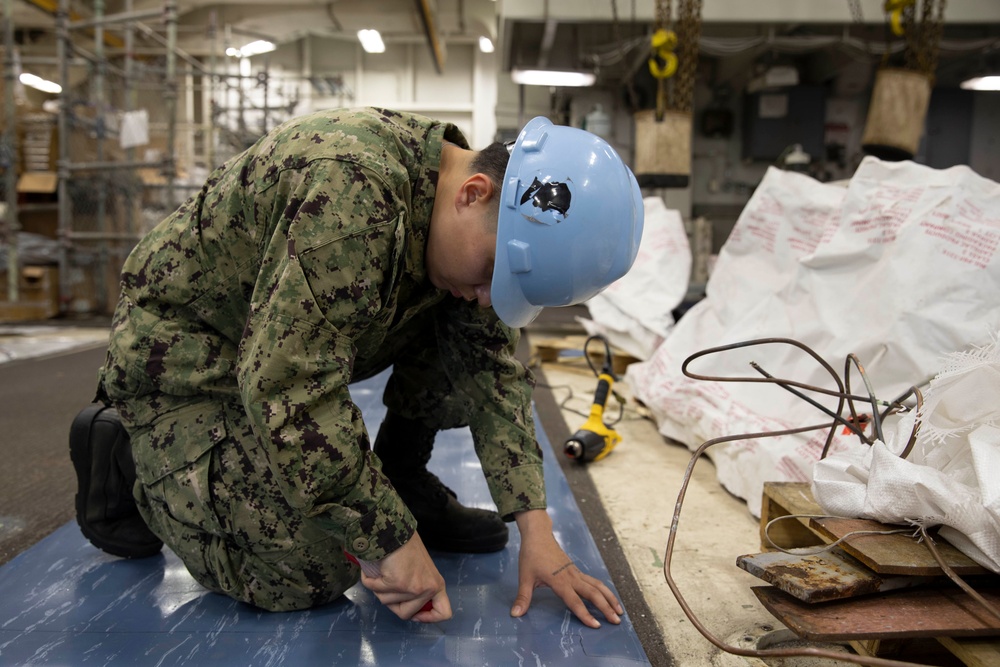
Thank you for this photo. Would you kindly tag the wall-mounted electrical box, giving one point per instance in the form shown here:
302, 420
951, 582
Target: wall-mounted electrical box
775, 119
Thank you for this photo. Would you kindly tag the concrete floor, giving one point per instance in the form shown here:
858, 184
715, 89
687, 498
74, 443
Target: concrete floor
627, 498
48, 372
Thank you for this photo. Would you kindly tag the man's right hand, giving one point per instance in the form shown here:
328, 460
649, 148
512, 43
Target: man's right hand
408, 580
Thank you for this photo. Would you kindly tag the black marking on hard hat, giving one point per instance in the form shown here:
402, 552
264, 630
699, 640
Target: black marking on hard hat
553, 195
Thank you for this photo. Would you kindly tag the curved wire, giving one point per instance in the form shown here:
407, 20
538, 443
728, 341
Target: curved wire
842, 392
686, 608
912, 391
850, 424
844, 395
990, 607
852, 359
786, 384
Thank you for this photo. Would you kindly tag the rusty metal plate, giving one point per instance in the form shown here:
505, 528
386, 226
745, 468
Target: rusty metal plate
831, 575
922, 612
893, 554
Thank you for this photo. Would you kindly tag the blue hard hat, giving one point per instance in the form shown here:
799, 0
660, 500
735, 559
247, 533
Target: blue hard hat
570, 221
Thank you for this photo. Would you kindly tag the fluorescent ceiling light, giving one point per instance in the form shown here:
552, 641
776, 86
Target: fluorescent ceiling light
485, 44
371, 41
39, 83
252, 49
982, 83
551, 77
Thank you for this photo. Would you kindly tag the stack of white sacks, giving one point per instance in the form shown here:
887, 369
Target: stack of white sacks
901, 268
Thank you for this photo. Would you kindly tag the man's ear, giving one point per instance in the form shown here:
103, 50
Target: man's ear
476, 189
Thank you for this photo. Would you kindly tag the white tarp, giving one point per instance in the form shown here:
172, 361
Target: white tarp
635, 312
950, 478
900, 268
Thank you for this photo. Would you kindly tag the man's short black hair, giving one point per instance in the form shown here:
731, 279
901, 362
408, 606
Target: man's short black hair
492, 161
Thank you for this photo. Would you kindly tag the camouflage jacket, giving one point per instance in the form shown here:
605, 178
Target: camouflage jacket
283, 277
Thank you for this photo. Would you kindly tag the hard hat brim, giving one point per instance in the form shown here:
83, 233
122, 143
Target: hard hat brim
508, 300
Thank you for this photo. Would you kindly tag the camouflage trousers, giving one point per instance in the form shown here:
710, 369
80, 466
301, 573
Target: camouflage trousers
206, 489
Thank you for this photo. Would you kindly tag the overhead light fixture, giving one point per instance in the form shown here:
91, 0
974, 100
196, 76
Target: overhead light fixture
991, 82
251, 49
485, 44
552, 77
371, 41
39, 83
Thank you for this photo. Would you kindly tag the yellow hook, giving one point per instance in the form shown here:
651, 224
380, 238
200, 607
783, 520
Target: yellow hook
663, 43
895, 10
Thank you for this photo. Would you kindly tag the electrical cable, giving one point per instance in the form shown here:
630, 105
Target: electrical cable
607, 368
826, 547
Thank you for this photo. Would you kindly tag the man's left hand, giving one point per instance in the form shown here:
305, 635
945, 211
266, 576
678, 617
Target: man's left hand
542, 562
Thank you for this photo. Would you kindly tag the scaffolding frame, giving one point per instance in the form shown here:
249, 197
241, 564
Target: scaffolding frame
103, 204
70, 54
8, 159
67, 168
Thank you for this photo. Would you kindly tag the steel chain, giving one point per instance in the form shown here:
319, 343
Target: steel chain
677, 92
856, 14
911, 37
923, 37
664, 12
932, 38
689, 31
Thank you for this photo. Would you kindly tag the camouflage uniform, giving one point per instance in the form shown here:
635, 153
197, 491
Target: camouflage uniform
298, 269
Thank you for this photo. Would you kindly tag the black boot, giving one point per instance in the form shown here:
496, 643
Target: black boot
105, 509
404, 447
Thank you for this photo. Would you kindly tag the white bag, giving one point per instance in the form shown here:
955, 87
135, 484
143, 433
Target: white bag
900, 268
952, 475
635, 312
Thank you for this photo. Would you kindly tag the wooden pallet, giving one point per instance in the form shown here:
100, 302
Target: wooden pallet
873, 624
570, 349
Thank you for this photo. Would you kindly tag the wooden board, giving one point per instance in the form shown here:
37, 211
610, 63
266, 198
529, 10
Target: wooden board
973, 652
861, 629
570, 348
782, 499
922, 612
893, 554
883, 554
832, 575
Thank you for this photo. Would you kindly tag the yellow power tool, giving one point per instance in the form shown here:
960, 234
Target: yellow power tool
595, 439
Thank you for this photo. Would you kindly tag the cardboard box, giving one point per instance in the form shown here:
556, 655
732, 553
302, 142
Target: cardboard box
38, 182
40, 285
38, 210
38, 295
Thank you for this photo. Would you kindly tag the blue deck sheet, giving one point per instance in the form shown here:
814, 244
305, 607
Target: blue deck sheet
63, 602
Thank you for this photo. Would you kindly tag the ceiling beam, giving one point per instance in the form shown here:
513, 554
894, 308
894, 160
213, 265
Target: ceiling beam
430, 30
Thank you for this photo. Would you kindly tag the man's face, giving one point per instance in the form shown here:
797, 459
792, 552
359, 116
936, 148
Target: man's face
460, 258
